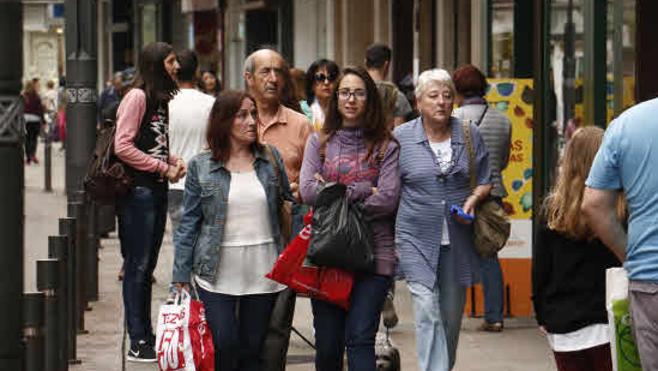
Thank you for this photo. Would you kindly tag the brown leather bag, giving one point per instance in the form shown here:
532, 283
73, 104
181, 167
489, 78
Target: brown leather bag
107, 178
492, 226
285, 206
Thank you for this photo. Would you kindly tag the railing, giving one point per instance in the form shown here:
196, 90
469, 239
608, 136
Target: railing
11, 119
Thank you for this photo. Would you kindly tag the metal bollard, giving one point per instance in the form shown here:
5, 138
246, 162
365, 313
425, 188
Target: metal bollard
93, 243
47, 163
77, 210
58, 248
47, 283
67, 227
33, 303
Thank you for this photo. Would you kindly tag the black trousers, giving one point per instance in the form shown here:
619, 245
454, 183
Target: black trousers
278, 332
32, 129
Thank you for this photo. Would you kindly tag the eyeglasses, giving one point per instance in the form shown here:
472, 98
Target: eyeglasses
346, 94
321, 77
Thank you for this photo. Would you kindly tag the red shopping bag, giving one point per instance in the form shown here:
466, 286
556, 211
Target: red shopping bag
329, 284
183, 339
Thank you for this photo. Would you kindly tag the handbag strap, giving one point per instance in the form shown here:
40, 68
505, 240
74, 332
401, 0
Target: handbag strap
471, 153
484, 112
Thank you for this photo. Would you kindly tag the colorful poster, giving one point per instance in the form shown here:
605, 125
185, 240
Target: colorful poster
513, 98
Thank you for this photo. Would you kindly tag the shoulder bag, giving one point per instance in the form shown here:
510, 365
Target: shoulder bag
492, 226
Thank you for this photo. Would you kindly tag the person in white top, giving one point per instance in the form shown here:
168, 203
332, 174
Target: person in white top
188, 119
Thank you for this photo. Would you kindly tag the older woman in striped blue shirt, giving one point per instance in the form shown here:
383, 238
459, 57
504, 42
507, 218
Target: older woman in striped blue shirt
437, 255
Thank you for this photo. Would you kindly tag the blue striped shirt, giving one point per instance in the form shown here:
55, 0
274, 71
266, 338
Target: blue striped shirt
425, 200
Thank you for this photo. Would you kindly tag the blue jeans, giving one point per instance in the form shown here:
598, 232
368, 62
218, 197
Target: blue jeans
355, 328
492, 282
142, 218
430, 332
238, 325
452, 298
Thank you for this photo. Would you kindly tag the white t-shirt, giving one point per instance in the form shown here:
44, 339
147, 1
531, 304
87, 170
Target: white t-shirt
587, 337
188, 119
248, 251
443, 153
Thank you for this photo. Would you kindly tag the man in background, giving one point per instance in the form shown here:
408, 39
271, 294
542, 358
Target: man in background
109, 96
188, 119
378, 61
264, 73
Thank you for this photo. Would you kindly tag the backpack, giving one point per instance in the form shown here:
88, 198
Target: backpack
107, 177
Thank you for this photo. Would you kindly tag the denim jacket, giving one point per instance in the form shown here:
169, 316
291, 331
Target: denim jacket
199, 236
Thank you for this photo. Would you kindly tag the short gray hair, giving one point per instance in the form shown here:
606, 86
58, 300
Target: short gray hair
250, 64
435, 76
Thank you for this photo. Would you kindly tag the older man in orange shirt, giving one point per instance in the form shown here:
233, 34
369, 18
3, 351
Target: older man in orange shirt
287, 130
280, 126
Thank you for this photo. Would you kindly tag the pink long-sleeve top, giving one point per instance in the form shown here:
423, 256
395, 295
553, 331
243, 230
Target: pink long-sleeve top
129, 118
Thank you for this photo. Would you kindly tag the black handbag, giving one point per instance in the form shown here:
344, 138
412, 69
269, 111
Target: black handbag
340, 233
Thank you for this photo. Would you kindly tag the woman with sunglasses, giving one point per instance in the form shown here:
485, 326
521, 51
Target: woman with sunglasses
437, 254
320, 86
355, 148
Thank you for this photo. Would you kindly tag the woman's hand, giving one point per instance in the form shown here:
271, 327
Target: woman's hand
470, 204
294, 189
469, 208
174, 173
543, 331
182, 168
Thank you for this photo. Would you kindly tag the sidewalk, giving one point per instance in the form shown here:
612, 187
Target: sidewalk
519, 347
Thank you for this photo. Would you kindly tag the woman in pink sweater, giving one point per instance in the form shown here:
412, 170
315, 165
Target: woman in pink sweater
142, 143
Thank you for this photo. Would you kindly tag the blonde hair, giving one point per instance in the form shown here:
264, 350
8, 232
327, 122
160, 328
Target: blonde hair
562, 206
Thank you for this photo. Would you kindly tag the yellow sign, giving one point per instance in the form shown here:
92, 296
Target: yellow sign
513, 98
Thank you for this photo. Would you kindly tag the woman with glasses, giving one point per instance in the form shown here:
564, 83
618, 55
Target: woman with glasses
229, 235
437, 255
320, 86
355, 148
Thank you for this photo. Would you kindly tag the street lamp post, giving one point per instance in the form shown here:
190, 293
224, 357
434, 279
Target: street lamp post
12, 185
81, 78
81, 85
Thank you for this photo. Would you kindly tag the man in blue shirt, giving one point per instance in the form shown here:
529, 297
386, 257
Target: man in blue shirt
627, 161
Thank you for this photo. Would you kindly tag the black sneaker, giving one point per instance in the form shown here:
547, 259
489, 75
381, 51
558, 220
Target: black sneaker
142, 352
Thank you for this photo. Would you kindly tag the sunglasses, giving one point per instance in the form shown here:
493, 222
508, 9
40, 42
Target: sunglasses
321, 77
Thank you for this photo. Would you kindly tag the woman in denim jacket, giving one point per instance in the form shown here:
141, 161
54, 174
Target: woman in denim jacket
229, 235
